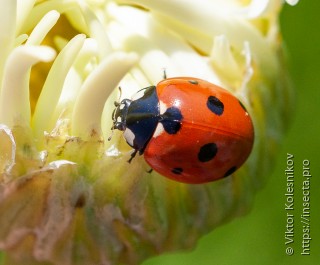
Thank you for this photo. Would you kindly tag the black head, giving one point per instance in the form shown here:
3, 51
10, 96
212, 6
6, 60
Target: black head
138, 118
119, 115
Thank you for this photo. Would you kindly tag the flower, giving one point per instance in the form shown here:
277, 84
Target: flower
67, 195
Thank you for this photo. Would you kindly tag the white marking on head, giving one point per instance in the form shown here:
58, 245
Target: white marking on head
158, 131
163, 107
129, 136
121, 107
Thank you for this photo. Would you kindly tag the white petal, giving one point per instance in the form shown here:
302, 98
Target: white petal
23, 10
20, 39
8, 9
96, 31
248, 69
41, 9
255, 9
95, 91
43, 27
52, 88
14, 99
198, 22
223, 60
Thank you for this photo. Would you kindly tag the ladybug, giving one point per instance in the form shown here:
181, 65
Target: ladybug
188, 129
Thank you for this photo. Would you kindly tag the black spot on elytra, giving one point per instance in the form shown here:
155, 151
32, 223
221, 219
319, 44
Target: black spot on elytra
230, 171
215, 105
171, 120
193, 82
177, 170
242, 106
207, 152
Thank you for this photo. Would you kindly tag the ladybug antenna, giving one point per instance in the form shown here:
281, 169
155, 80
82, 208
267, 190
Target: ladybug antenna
164, 73
120, 93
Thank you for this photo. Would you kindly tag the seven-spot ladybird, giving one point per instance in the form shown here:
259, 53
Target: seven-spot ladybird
188, 129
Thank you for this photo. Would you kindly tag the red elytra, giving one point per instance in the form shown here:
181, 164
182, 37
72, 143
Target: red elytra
188, 129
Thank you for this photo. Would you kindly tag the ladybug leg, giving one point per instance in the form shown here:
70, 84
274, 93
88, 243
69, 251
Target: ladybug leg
111, 134
150, 171
133, 154
116, 125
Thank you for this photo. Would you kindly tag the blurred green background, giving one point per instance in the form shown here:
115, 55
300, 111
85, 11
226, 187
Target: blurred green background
259, 237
